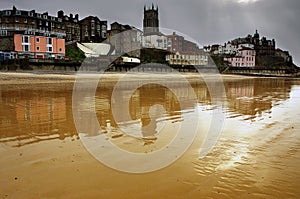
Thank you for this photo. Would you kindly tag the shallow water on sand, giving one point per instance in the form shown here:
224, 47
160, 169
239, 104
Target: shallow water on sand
257, 153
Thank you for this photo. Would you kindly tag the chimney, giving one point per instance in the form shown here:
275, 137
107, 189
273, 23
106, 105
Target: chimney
77, 17
71, 16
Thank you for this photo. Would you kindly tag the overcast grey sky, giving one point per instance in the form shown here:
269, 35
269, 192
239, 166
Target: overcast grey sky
207, 21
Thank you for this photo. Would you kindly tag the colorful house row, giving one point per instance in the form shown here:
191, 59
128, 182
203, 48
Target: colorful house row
40, 47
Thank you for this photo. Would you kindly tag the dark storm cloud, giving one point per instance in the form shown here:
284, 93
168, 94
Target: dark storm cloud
207, 21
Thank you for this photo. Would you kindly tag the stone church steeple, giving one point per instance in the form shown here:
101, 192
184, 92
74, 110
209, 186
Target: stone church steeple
151, 21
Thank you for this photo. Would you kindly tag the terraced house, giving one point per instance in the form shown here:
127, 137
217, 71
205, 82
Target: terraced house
32, 34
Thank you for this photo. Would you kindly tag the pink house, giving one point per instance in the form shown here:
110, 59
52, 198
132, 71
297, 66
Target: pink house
245, 57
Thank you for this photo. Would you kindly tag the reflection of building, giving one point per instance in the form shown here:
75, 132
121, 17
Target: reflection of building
40, 111
252, 97
35, 117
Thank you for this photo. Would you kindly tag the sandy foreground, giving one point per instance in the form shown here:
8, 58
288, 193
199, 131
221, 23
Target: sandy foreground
42, 77
253, 159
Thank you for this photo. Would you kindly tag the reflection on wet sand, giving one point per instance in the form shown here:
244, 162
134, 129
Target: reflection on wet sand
41, 115
29, 117
252, 97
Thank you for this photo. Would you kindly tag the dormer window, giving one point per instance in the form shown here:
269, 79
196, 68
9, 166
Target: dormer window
45, 16
18, 12
7, 12
39, 15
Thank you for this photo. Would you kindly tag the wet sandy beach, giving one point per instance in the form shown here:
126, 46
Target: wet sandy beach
257, 154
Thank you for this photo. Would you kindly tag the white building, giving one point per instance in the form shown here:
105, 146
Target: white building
227, 49
246, 45
157, 41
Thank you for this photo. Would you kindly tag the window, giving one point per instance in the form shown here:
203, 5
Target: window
18, 12
25, 39
7, 12
25, 20
86, 31
25, 48
39, 15
60, 49
37, 40
17, 19
37, 48
40, 22
47, 23
45, 16
49, 41
49, 49
3, 32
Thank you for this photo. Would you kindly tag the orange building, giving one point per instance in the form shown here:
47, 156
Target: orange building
39, 46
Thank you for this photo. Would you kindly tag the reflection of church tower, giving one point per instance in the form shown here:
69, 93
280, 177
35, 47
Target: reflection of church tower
151, 22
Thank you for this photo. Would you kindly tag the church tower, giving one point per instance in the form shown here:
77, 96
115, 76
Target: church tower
151, 22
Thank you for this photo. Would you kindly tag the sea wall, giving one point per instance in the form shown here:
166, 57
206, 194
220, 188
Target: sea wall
279, 72
36, 64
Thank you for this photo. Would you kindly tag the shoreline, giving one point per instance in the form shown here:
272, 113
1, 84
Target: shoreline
42, 77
